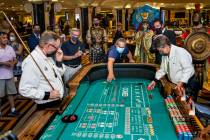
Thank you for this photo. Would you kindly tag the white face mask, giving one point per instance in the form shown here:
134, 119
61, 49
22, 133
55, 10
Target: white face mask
12, 38
120, 50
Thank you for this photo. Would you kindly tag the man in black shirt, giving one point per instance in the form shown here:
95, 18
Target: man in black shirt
72, 49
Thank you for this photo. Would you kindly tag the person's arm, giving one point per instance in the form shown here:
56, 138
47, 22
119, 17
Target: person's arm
88, 37
59, 62
20, 50
110, 64
13, 61
161, 72
158, 75
65, 57
130, 57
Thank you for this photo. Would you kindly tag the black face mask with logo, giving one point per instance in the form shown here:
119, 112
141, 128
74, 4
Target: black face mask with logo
96, 24
52, 54
158, 31
195, 23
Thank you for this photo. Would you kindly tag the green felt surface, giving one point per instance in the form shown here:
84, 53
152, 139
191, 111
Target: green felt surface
114, 111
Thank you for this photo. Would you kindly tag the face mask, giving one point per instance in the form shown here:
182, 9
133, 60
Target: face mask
37, 32
12, 38
96, 24
74, 38
120, 50
158, 31
51, 54
163, 54
196, 23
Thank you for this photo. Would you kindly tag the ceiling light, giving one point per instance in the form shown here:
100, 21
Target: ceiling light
128, 6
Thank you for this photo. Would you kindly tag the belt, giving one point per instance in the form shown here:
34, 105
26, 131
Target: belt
73, 66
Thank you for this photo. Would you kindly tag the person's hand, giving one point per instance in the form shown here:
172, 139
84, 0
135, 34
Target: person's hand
151, 86
110, 77
78, 54
179, 89
59, 55
54, 94
131, 61
9, 63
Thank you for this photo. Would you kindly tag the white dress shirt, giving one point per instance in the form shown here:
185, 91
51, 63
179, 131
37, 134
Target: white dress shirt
178, 66
33, 84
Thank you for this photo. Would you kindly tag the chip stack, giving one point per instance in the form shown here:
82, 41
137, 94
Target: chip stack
179, 121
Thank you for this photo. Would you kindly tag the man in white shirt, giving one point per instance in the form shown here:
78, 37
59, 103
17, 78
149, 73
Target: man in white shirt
45, 87
177, 65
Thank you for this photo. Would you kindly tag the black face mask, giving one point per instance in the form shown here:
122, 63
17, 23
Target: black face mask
52, 54
158, 31
96, 24
196, 23
75, 39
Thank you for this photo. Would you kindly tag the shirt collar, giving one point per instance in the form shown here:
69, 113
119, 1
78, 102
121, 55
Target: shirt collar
38, 49
163, 30
172, 51
37, 36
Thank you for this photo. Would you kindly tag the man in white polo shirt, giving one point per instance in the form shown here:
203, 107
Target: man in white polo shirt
177, 65
49, 89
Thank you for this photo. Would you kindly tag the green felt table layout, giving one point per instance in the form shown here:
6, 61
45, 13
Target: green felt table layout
118, 110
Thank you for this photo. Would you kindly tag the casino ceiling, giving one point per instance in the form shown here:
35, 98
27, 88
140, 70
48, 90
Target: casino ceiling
18, 5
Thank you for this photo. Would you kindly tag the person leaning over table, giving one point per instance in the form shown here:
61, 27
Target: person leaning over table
116, 54
33, 84
177, 65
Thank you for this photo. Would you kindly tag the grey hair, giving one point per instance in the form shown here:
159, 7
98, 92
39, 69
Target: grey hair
47, 37
161, 40
120, 40
74, 30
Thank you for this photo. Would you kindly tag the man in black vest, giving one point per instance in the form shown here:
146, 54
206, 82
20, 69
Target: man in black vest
160, 29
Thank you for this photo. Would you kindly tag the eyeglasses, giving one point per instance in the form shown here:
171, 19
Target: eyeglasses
54, 46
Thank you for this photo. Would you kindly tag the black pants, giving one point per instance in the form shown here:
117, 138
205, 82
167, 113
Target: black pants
52, 104
192, 87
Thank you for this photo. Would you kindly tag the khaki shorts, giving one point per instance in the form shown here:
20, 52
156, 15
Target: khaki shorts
7, 86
